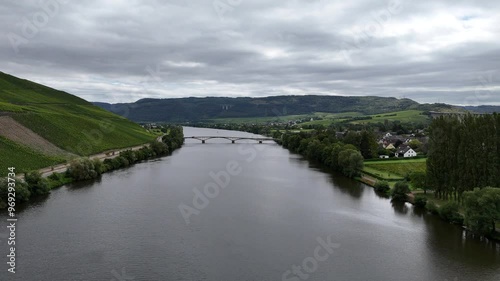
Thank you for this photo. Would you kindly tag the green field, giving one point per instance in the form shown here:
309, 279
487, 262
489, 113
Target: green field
22, 158
259, 120
67, 121
410, 116
394, 169
413, 116
327, 118
381, 175
330, 118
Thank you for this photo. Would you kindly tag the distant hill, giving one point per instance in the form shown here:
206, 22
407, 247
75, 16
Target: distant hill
484, 108
41, 126
200, 109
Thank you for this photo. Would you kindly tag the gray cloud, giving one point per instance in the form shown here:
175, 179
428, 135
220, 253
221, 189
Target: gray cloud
121, 51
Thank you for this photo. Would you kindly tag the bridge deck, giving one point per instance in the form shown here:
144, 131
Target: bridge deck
233, 139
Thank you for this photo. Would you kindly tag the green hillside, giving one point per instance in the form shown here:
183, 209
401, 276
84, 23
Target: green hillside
66, 121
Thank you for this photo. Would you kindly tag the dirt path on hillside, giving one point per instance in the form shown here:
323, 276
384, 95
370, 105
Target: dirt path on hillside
16, 132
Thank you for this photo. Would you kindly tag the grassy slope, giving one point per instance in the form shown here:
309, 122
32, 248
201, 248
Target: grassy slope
65, 120
23, 158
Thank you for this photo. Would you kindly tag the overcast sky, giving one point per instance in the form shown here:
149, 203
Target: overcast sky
125, 50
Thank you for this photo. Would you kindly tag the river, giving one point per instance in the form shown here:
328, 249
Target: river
259, 213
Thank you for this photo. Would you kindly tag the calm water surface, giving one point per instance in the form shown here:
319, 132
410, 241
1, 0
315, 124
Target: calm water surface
128, 226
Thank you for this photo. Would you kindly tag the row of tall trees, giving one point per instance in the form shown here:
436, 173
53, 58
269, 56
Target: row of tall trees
323, 147
464, 153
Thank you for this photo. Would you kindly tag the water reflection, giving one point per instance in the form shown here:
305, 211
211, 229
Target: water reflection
400, 208
267, 220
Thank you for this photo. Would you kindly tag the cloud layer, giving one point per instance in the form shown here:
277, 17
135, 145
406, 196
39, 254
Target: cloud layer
121, 51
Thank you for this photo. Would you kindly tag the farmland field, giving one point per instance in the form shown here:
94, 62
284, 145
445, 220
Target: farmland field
413, 116
396, 167
380, 174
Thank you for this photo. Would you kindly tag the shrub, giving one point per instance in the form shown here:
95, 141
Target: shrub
58, 179
82, 169
482, 209
420, 201
37, 185
55, 176
129, 155
22, 192
109, 164
449, 212
122, 162
400, 191
99, 167
431, 207
382, 186
159, 148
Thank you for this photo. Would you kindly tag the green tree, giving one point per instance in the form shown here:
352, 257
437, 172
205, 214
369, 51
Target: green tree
37, 185
351, 162
449, 212
353, 138
159, 148
420, 201
368, 144
382, 186
418, 181
482, 209
463, 153
22, 192
400, 191
82, 169
415, 144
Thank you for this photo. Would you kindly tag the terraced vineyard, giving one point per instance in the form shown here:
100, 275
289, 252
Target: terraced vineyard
66, 121
23, 158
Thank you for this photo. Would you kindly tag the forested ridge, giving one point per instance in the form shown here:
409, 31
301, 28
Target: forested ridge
198, 109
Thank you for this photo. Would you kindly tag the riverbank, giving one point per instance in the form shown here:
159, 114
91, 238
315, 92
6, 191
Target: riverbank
110, 154
433, 205
41, 182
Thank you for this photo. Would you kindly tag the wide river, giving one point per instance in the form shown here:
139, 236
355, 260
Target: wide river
244, 211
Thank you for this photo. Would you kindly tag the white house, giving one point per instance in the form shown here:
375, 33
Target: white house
405, 151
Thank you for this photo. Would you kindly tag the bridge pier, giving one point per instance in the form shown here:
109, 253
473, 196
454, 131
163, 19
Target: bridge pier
202, 141
233, 141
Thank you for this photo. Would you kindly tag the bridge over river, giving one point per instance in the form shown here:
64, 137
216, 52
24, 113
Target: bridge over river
203, 139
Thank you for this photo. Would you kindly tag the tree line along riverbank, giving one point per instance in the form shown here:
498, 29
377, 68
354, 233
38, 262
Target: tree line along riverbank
459, 182
461, 170
34, 185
